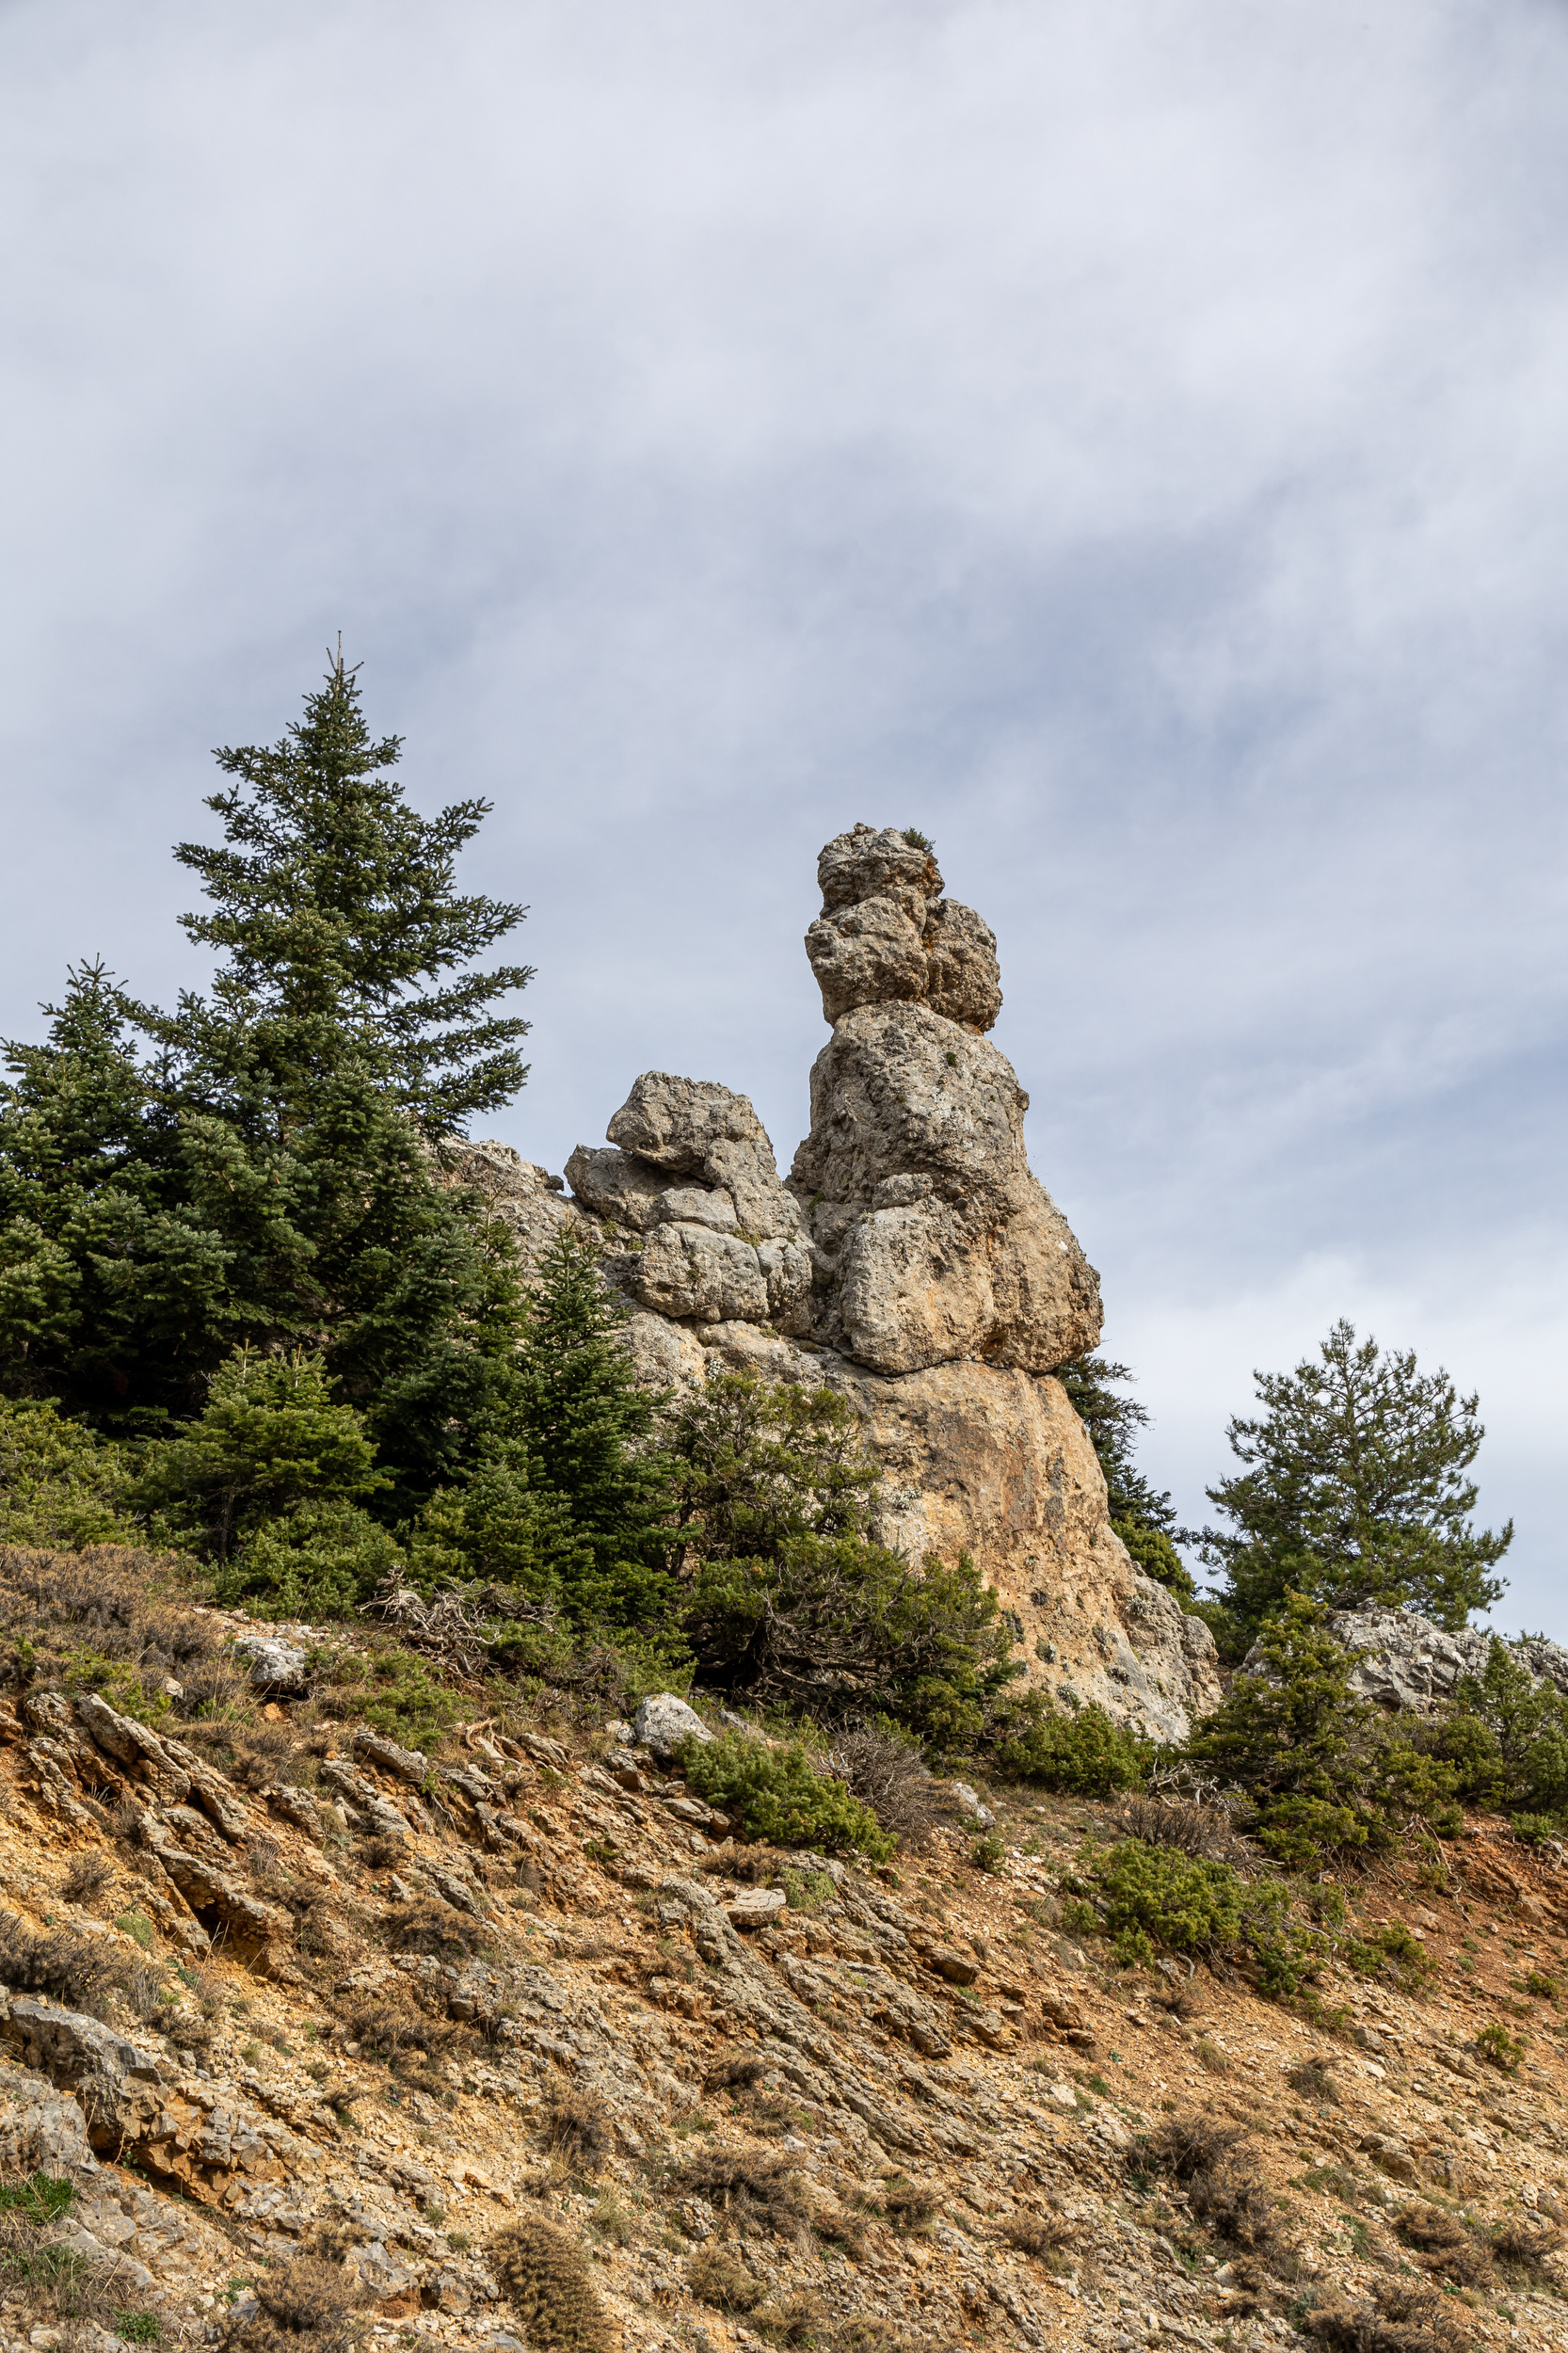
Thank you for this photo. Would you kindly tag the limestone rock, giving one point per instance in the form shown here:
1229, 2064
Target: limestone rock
274, 1666
674, 1123
995, 1463
518, 1194
935, 1239
616, 1187
662, 1721
691, 1270
115, 2084
41, 2130
885, 935
1410, 1665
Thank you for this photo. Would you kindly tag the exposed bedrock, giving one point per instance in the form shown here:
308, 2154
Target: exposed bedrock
911, 1259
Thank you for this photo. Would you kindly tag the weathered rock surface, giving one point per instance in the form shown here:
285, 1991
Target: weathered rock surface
912, 1260
1409, 1664
887, 935
663, 1722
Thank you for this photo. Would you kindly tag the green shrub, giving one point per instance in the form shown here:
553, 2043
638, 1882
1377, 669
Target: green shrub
1536, 1829
320, 1561
1500, 2048
778, 1794
59, 1484
1083, 1754
394, 1691
1156, 1898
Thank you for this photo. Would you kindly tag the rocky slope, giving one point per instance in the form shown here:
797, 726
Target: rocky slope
911, 1259
279, 1980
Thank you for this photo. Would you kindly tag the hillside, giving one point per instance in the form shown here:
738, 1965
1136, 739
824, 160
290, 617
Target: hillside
281, 1984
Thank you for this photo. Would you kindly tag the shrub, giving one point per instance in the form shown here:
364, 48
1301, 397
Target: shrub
1312, 2080
59, 1484
1444, 2244
762, 2193
882, 1765
74, 1969
1045, 2236
88, 1877
322, 1559
1085, 1753
779, 1795
1223, 2188
578, 2128
428, 1926
394, 1692
1155, 1897
1201, 1831
310, 2298
1500, 2048
544, 2276
392, 2027
720, 2281
987, 1852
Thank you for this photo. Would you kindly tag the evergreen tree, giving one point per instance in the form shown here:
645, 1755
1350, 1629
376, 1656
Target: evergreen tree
334, 899
581, 1433
1354, 1491
265, 1176
1142, 1515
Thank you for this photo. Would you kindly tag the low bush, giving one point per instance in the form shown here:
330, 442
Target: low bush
1083, 1754
1203, 1832
428, 1926
756, 2192
1225, 2188
779, 1795
1155, 1898
76, 1970
883, 1767
1311, 2079
720, 2281
88, 1877
544, 2276
1500, 2048
1046, 2237
1443, 2245
578, 2128
393, 2028
311, 2305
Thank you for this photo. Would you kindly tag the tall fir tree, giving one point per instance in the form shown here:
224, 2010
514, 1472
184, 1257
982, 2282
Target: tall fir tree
1142, 1515
265, 1175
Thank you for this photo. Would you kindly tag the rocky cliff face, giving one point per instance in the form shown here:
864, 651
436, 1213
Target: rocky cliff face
911, 1259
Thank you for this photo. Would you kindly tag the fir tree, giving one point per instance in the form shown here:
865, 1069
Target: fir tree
335, 901
1354, 1491
1142, 1515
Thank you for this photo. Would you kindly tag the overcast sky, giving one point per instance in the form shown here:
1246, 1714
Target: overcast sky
1128, 442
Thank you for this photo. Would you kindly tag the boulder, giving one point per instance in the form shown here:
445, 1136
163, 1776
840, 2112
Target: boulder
1408, 1665
274, 1666
885, 935
115, 2084
615, 1187
935, 1239
42, 2130
663, 1722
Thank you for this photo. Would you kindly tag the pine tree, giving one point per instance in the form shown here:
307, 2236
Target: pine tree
1354, 1491
1142, 1517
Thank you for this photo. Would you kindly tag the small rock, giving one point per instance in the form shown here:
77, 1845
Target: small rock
664, 1722
274, 1664
755, 1907
1064, 2096
969, 1801
958, 1968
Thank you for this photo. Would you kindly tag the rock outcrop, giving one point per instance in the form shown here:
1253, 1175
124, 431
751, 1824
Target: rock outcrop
911, 1259
1410, 1666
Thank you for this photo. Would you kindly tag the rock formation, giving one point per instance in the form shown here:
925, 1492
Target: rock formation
1410, 1666
911, 1259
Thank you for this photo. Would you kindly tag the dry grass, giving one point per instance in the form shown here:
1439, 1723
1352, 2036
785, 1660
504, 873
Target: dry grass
428, 1926
545, 2277
1312, 2081
908, 2205
755, 2192
1407, 2318
1045, 2237
1225, 2188
724, 2282
89, 1876
59, 2287
311, 2305
72, 1969
394, 2029
1443, 2245
579, 2129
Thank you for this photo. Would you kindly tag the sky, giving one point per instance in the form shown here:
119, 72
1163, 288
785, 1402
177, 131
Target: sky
1129, 443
